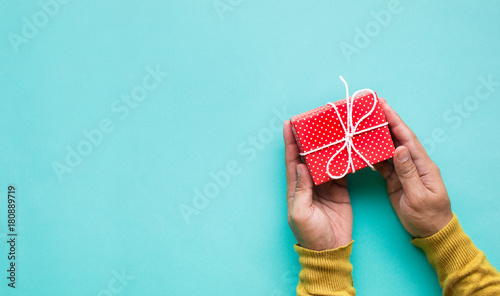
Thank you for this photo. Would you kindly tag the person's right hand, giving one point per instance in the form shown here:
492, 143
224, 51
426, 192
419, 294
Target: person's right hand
416, 189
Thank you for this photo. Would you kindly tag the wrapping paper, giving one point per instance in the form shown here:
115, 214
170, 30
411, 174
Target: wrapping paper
321, 126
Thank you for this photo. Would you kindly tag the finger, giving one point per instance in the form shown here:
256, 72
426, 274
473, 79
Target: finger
385, 109
407, 171
387, 171
385, 168
403, 135
302, 199
292, 159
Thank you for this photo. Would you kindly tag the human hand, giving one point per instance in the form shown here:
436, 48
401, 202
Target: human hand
416, 189
319, 216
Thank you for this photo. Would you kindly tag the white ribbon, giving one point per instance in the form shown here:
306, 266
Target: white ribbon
350, 131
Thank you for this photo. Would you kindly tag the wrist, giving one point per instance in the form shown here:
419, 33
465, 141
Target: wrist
438, 223
325, 245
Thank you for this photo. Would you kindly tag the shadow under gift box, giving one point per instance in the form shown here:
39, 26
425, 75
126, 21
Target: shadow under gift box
321, 127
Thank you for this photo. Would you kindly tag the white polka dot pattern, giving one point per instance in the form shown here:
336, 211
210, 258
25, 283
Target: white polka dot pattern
321, 126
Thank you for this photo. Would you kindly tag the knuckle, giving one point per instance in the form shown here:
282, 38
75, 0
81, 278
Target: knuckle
409, 170
300, 189
413, 137
297, 216
436, 169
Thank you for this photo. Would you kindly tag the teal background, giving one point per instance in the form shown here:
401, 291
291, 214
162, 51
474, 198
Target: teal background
228, 79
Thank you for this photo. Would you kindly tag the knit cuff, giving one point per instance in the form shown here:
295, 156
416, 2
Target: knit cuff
448, 250
328, 270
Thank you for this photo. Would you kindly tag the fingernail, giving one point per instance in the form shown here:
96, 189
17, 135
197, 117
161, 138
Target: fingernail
298, 170
404, 155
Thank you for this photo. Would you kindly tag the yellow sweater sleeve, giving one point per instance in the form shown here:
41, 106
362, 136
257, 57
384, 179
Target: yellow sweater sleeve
461, 267
325, 273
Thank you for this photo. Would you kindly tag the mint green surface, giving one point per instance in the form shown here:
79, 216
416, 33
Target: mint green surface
236, 69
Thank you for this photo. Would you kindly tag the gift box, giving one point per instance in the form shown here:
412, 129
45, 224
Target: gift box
342, 137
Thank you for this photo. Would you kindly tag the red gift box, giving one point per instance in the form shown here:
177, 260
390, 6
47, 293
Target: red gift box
342, 137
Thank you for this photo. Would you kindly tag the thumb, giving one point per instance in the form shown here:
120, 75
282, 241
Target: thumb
406, 170
302, 200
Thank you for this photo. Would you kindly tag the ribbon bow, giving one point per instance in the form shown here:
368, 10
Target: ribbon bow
350, 130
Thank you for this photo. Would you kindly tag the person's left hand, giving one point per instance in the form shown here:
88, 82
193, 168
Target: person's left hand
319, 216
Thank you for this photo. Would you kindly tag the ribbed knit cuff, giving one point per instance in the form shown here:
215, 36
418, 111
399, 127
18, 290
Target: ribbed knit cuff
448, 250
325, 271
